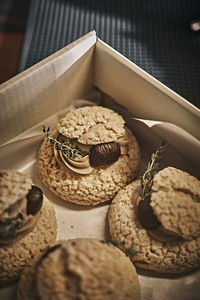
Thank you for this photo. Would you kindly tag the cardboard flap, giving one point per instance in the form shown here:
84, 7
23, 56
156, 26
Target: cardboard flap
40, 91
144, 96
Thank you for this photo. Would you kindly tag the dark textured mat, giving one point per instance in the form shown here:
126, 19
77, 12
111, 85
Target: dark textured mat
156, 35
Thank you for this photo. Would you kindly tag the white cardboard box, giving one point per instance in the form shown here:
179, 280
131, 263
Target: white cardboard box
90, 69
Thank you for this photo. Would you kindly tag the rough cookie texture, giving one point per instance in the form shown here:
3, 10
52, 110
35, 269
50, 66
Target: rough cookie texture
176, 202
82, 269
14, 257
99, 186
92, 125
13, 186
164, 257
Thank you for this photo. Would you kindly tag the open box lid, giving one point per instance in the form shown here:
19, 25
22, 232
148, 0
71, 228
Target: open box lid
72, 72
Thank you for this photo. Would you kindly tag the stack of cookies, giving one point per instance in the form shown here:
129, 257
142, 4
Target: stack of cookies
163, 228
93, 156
27, 224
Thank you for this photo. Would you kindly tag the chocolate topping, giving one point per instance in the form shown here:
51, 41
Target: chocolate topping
34, 200
145, 214
103, 154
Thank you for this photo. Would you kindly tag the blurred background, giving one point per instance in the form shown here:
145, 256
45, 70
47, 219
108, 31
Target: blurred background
13, 20
157, 35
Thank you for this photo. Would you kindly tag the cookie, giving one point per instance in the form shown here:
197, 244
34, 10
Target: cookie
172, 244
177, 194
92, 125
27, 224
99, 156
81, 269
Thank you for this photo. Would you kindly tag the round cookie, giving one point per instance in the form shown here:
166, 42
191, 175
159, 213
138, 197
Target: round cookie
80, 269
175, 201
92, 125
174, 245
100, 135
27, 224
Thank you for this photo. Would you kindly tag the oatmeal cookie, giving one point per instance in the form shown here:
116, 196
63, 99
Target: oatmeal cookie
81, 269
100, 156
172, 245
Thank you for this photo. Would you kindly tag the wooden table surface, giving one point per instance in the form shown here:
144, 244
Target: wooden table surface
13, 18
